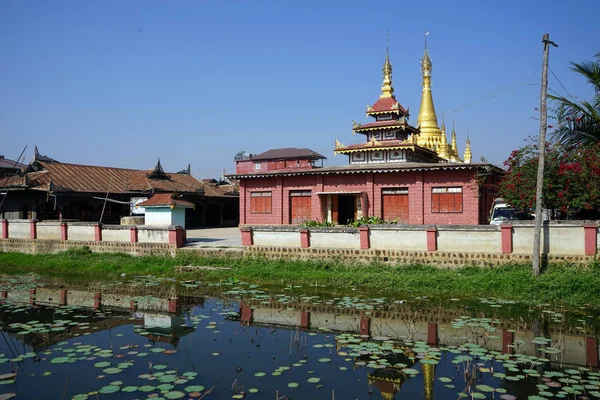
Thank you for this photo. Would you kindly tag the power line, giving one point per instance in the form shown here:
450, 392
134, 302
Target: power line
497, 93
560, 83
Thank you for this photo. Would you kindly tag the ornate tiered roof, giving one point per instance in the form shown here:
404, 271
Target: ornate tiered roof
390, 130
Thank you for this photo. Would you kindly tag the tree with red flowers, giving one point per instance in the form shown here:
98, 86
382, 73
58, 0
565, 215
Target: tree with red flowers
571, 180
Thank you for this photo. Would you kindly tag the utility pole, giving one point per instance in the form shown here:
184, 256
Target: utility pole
540, 172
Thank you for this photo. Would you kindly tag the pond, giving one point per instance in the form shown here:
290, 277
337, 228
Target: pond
156, 338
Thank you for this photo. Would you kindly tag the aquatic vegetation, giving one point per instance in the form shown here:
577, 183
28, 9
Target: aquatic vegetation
204, 345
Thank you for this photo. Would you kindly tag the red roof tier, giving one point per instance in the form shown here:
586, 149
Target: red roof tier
165, 199
386, 104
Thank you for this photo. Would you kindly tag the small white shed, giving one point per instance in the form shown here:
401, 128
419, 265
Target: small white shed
164, 209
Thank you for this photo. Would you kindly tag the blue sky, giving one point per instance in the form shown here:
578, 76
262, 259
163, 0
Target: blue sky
122, 83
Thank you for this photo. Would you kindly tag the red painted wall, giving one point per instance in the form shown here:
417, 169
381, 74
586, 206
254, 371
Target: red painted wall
247, 166
419, 186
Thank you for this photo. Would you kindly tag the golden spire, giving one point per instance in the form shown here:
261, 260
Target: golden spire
467, 156
387, 90
427, 119
454, 147
443, 149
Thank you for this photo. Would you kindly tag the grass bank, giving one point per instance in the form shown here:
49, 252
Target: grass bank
559, 284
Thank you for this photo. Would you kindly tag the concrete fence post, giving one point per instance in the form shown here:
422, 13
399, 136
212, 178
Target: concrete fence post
508, 339
97, 300
590, 238
304, 238
591, 352
365, 326
365, 242
133, 235
246, 314
305, 319
180, 234
4, 224
64, 231
98, 232
33, 229
432, 239
176, 235
173, 305
432, 333
506, 239
247, 239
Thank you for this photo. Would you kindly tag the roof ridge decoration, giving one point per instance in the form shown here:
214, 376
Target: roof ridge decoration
186, 171
158, 172
38, 157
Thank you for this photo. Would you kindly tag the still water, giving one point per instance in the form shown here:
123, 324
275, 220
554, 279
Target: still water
163, 339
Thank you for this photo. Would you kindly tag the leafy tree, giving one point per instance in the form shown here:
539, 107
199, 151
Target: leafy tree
579, 123
571, 180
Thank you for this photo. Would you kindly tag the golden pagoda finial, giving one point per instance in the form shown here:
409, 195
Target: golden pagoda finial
443, 124
454, 147
426, 65
387, 90
443, 148
427, 119
468, 156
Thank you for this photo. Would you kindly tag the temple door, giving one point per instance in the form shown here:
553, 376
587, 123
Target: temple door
334, 209
300, 208
395, 205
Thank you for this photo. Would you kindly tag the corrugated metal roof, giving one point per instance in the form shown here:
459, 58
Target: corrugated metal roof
165, 199
366, 168
63, 177
288, 153
6, 163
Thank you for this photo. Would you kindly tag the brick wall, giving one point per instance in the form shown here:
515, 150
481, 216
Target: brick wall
419, 184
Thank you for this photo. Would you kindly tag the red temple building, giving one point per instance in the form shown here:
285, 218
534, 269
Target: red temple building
403, 173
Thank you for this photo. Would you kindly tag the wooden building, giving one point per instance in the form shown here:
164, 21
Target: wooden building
53, 190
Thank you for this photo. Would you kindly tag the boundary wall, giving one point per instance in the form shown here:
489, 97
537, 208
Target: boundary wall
446, 245
91, 232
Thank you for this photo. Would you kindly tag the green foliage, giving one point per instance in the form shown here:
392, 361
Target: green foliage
367, 221
565, 284
571, 179
78, 251
579, 123
313, 223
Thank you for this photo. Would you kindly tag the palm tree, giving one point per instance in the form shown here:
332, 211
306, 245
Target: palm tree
579, 123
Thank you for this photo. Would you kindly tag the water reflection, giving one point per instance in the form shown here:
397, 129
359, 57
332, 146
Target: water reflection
234, 339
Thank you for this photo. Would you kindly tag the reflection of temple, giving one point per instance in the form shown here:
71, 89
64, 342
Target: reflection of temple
389, 380
164, 328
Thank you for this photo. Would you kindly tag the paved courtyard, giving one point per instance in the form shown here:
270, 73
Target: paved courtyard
214, 237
